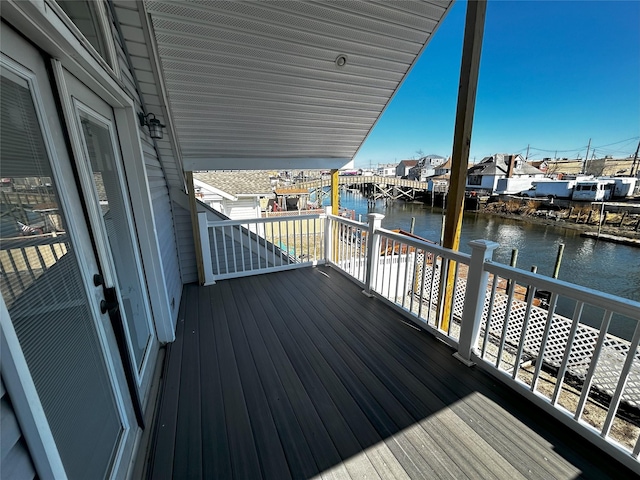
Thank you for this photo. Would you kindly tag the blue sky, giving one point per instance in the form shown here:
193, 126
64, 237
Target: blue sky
553, 74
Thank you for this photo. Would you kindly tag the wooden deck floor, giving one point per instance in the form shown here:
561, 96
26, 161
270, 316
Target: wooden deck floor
299, 375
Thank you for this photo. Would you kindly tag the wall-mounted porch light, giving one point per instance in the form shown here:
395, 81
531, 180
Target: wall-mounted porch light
155, 127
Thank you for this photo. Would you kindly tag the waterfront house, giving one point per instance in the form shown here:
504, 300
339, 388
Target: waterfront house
235, 194
387, 170
402, 170
484, 176
426, 167
444, 168
126, 350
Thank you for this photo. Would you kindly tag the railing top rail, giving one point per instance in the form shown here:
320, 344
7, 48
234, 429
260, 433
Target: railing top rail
249, 221
33, 240
431, 247
623, 306
348, 221
359, 179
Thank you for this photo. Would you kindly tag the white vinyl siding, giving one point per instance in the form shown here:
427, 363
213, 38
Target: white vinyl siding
242, 208
159, 160
186, 245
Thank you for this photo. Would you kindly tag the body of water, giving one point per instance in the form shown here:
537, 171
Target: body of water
603, 266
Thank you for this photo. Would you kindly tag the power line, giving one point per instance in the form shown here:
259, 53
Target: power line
559, 151
632, 139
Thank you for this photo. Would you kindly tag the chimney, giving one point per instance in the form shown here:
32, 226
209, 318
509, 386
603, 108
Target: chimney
511, 165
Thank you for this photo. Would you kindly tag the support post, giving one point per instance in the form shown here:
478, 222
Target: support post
373, 251
328, 244
207, 264
469, 70
335, 196
193, 207
475, 294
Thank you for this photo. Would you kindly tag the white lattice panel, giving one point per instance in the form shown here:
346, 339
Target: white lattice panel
611, 359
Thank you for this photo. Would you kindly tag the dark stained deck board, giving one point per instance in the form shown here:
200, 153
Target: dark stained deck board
188, 451
485, 402
418, 399
296, 375
314, 429
216, 456
164, 440
244, 456
415, 361
422, 401
300, 459
364, 385
319, 386
269, 448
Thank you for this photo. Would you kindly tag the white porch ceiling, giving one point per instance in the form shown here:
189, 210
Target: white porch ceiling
256, 85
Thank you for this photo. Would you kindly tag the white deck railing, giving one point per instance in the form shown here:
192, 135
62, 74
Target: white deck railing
493, 316
25, 259
237, 248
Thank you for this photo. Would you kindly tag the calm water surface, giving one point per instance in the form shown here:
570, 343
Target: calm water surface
603, 266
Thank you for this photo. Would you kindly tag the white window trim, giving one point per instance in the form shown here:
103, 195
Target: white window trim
111, 62
38, 21
26, 402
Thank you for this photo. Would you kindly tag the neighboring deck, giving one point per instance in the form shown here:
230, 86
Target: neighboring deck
298, 374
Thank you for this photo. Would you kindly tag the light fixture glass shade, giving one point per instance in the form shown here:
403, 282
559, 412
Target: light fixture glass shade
155, 128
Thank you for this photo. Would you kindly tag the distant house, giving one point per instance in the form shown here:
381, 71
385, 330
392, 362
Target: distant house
238, 196
426, 167
485, 175
444, 169
541, 165
402, 170
388, 170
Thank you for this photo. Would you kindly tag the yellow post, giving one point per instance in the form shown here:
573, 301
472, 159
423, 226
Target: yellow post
335, 196
473, 32
335, 204
193, 206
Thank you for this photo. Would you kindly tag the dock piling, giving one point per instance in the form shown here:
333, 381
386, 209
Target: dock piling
556, 268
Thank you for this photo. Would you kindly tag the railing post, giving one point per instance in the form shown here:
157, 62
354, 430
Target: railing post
206, 249
373, 251
328, 244
476, 292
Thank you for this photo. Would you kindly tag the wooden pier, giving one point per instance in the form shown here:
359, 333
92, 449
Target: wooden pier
373, 187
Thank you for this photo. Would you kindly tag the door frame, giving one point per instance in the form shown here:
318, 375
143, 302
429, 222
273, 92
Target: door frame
102, 240
126, 123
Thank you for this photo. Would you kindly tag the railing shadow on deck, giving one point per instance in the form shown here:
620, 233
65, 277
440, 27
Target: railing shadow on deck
491, 314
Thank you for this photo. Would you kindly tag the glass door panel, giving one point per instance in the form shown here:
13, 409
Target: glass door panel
98, 138
44, 291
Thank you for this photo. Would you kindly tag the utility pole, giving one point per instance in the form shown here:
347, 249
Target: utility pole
586, 157
527, 155
635, 160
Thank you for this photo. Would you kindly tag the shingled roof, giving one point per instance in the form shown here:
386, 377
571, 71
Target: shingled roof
498, 165
245, 182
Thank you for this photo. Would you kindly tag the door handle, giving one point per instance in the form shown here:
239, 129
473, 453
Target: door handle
110, 302
111, 307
